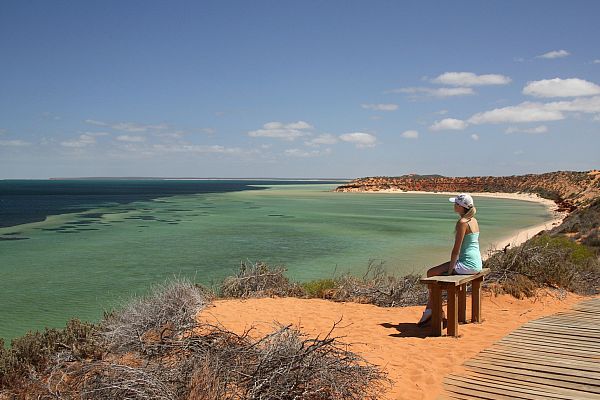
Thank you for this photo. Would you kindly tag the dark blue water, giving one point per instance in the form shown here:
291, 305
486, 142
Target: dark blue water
25, 201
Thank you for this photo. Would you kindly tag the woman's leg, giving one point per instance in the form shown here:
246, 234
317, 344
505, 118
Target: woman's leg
436, 271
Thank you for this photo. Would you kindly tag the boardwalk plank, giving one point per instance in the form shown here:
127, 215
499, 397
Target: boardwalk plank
548, 350
487, 392
577, 394
554, 357
524, 338
511, 387
549, 361
590, 337
542, 357
567, 372
491, 371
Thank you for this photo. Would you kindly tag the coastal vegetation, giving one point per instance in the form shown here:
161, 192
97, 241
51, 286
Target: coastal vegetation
155, 346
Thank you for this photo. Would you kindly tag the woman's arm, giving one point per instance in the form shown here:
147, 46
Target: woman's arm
461, 229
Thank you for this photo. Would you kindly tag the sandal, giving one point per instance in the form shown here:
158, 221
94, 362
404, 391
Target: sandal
425, 317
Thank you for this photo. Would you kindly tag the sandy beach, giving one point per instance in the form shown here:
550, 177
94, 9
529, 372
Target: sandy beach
389, 337
518, 237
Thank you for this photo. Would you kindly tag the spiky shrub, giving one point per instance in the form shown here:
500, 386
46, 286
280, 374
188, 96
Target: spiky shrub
258, 280
30, 354
380, 288
143, 324
320, 288
551, 261
285, 365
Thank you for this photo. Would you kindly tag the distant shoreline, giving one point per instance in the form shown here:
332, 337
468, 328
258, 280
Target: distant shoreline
515, 239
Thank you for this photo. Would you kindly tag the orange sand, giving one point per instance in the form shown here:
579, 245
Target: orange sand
389, 337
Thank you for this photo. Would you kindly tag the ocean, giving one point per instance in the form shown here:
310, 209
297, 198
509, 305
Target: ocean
76, 248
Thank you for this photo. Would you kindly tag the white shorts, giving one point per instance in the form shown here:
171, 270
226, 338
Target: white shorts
462, 269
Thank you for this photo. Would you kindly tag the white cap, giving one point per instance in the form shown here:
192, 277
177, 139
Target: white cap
463, 200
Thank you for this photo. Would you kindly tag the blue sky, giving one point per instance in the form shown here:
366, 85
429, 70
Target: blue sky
311, 89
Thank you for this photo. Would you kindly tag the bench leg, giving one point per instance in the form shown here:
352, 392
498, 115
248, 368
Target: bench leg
452, 311
476, 297
436, 312
462, 303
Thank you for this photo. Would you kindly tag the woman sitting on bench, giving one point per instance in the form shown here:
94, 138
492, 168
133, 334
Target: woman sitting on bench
465, 258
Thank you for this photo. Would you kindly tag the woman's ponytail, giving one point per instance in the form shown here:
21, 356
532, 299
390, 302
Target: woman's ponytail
470, 213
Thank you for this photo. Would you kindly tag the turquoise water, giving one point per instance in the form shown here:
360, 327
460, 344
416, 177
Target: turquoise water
80, 264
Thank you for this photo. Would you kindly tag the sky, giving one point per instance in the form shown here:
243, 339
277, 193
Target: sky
298, 89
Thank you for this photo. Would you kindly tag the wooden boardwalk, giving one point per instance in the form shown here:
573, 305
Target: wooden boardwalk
555, 357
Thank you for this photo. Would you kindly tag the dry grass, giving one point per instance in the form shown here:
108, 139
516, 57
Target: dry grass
259, 280
545, 261
143, 324
379, 288
155, 349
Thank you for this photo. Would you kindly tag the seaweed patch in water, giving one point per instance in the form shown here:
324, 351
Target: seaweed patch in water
92, 215
3, 238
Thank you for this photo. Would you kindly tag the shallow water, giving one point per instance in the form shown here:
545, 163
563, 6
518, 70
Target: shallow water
79, 264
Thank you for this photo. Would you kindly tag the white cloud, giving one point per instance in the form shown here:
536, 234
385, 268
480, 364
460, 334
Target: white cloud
536, 130
441, 112
470, 79
194, 148
360, 139
380, 107
554, 54
208, 131
537, 112
306, 154
128, 126
475, 136
83, 140
131, 138
588, 105
279, 130
49, 115
597, 61
596, 118
449, 124
524, 112
171, 135
411, 134
518, 152
14, 143
437, 92
322, 139
557, 87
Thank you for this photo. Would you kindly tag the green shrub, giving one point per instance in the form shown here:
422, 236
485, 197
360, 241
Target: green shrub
546, 260
319, 288
31, 353
259, 280
576, 252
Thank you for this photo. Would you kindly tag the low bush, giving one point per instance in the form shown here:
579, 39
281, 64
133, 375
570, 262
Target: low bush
30, 354
320, 288
545, 260
258, 280
201, 361
143, 324
379, 288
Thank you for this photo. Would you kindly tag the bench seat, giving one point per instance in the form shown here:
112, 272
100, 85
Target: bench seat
456, 286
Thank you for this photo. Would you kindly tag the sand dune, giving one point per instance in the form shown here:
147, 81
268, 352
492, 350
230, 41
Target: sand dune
389, 337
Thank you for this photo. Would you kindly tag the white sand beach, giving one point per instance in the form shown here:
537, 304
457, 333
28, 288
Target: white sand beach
515, 239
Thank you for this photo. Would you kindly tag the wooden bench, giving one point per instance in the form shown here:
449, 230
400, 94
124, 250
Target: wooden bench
456, 286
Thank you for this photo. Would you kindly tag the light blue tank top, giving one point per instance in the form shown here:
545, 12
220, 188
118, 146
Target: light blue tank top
469, 255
